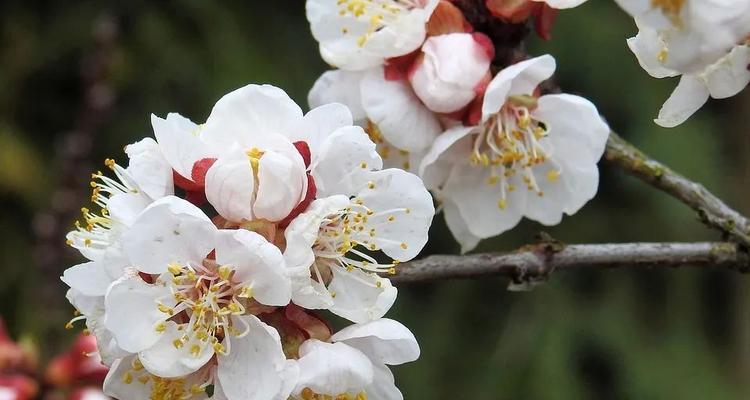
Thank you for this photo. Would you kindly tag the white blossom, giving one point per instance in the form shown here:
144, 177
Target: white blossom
331, 248
148, 177
722, 79
360, 34
529, 156
354, 365
686, 36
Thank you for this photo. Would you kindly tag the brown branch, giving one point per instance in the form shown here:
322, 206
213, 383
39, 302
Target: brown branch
712, 210
533, 263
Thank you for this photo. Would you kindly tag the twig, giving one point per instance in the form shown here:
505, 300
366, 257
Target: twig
712, 210
534, 263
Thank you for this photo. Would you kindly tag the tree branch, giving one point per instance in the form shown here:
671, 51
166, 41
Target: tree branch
533, 263
711, 210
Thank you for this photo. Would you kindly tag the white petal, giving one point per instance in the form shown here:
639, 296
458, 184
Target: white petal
179, 142
730, 75
401, 117
459, 227
230, 184
384, 341
360, 296
89, 278
446, 77
647, 47
320, 122
477, 201
562, 4
132, 312
115, 386
246, 116
403, 212
431, 170
332, 368
124, 208
149, 169
256, 263
167, 361
519, 78
341, 161
689, 95
170, 230
282, 183
338, 86
383, 386
572, 118
252, 369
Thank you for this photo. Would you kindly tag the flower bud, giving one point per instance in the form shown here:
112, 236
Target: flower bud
447, 75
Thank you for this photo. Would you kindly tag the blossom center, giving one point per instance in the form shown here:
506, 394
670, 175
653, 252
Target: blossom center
671, 9
344, 237
376, 13
205, 299
512, 143
162, 388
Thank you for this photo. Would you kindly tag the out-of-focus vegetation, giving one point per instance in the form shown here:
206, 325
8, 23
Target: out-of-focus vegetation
584, 335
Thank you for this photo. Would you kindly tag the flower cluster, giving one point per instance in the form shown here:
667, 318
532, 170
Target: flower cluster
210, 250
706, 43
491, 147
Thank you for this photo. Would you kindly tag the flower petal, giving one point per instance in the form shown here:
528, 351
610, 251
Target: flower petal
384, 341
401, 117
332, 368
170, 230
320, 122
689, 95
132, 312
167, 361
230, 184
89, 278
339, 86
257, 264
149, 169
403, 212
282, 183
342, 159
116, 385
252, 369
179, 142
248, 115
517, 79
360, 296
478, 201
459, 227
730, 75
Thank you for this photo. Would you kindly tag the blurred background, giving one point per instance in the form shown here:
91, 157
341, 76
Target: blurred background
79, 81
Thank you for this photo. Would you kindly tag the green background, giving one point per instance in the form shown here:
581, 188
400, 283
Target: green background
682, 334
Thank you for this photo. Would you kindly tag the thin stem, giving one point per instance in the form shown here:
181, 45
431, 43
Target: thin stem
533, 263
711, 210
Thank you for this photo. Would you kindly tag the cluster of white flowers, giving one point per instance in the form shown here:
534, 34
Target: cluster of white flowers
492, 149
707, 43
210, 249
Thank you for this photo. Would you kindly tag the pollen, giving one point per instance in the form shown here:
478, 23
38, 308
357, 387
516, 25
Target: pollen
502, 203
553, 175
